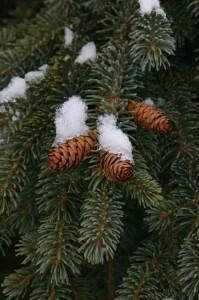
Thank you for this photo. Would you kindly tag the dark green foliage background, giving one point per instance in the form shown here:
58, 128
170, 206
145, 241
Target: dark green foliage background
49, 222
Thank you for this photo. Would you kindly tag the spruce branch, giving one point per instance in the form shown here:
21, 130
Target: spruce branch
152, 42
12, 180
113, 80
143, 186
23, 218
146, 275
59, 195
181, 210
101, 225
194, 7
188, 267
6, 233
27, 247
16, 284
58, 242
44, 290
31, 49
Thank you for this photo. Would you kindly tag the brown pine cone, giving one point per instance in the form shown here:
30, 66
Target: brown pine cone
150, 117
70, 154
115, 168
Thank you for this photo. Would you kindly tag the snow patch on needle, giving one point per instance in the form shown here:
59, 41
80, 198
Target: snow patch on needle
147, 6
68, 36
112, 138
36, 76
87, 53
149, 101
70, 120
15, 89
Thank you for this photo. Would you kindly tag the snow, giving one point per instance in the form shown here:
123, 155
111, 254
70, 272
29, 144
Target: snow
113, 139
67, 57
16, 116
149, 101
160, 11
18, 86
147, 6
16, 89
70, 120
36, 76
87, 53
68, 37
43, 68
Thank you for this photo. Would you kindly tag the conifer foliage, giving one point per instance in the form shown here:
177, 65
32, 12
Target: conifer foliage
99, 150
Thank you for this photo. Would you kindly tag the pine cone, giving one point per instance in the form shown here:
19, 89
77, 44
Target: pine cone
115, 168
150, 117
70, 154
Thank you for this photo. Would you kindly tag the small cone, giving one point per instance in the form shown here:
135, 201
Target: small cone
150, 117
115, 168
70, 154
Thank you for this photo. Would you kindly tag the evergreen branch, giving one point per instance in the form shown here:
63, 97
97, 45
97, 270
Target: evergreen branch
23, 217
160, 218
139, 286
18, 22
182, 24
116, 21
181, 211
44, 290
35, 48
6, 233
38, 93
188, 267
27, 139
9, 35
101, 225
27, 247
28, 51
27, 282
143, 186
182, 95
146, 275
12, 180
113, 81
16, 284
194, 7
58, 241
61, 202
149, 189
6, 117
152, 42
24, 281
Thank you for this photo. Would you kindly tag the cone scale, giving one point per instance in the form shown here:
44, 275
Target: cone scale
115, 168
150, 117
70, 154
